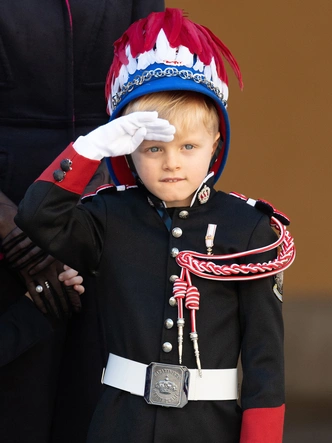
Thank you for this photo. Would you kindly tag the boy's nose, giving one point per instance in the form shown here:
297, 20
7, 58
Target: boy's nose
171, 161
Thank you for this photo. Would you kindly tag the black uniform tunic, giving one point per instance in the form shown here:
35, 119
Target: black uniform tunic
121, 238
54, 58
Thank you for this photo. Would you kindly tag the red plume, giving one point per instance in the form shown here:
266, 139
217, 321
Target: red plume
221, 48
179, 30
190, 37
173, 25
154, 23
136, 36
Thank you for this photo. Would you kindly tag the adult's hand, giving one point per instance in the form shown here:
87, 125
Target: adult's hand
8, 210
40, 272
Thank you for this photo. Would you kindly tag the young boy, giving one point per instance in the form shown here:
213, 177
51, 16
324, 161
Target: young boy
185, 275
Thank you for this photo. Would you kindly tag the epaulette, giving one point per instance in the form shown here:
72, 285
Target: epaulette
264, 206
105, 189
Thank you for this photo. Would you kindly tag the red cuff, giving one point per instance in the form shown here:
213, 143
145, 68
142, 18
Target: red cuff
77, 178
262, 425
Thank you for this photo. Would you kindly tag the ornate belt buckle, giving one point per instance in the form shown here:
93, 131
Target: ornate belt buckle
166, 385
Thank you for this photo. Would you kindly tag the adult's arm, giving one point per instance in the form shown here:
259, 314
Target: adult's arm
8, 210
23, 325
33, 265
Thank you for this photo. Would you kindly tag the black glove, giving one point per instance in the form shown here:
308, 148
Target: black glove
40, 271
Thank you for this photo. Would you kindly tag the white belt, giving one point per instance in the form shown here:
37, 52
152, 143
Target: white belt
130, 376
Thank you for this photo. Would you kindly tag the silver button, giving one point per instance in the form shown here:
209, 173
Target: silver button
172, 301
169, 323
176, 232
167, 346
173, 278
174, 252
183, 214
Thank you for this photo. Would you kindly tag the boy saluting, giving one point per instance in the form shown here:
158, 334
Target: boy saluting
186, 277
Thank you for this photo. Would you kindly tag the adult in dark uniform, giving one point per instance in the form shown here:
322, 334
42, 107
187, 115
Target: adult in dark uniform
151, 243
54, 59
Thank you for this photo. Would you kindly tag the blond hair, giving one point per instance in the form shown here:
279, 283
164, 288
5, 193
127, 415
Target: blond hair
180, 108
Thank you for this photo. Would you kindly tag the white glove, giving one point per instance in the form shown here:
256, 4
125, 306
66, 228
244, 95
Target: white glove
123, 135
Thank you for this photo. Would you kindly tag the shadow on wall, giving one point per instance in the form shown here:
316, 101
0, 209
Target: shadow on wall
308, 339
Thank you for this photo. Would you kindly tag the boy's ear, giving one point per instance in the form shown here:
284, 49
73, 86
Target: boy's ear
217, 140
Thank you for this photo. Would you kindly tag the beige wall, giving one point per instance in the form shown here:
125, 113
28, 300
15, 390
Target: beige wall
281, 122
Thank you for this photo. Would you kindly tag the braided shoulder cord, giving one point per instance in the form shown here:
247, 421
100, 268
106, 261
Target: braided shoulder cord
196, 263
201, 265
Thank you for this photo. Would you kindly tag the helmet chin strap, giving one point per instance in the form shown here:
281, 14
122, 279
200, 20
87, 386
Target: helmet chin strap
131, 165
216, 152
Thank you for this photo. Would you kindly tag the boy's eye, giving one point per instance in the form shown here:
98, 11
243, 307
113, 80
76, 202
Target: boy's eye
154, 149
188, 147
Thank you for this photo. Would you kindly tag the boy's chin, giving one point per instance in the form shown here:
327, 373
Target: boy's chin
181, 202
174, 199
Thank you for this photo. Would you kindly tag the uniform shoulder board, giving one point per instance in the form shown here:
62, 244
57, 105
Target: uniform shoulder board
105, 189
265, 207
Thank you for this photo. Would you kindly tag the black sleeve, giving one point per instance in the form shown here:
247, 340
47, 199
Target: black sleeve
53, 219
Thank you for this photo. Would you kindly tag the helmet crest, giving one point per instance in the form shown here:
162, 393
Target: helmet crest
167, 51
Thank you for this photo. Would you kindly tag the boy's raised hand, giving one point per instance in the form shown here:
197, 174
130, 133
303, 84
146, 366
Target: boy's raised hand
123, 135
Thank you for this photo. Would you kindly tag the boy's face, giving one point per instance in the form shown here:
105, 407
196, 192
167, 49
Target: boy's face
173, 171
